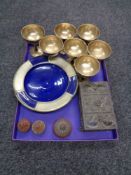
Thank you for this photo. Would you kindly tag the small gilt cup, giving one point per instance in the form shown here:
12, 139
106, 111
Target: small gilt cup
65, 31
86, 66
51, 44
88, 32
32, 33
75, 48
99, 49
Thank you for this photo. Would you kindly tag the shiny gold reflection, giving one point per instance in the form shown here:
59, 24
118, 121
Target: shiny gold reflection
32, 32
87, 65
65, 31
99, 49
75, 47
88, 32
51, 44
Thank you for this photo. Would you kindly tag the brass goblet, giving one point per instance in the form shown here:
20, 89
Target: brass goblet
88, 32
99, 49
32, 33
65, 31
51, 44
75, 48
86, 66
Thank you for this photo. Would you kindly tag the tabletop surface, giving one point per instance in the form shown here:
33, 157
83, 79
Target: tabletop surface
113, 19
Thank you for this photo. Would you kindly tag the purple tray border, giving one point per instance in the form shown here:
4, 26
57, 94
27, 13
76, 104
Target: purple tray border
59, 140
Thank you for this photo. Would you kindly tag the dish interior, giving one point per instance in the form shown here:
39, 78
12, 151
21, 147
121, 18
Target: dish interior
46, 82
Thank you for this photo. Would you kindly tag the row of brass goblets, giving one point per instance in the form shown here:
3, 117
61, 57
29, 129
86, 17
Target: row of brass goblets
81, 45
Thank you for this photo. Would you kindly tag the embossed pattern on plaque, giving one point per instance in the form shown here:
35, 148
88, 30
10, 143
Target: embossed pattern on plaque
96, 106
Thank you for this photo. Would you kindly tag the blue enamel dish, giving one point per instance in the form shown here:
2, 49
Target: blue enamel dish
45, 85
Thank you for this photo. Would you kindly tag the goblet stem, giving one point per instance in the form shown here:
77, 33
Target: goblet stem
62, 51
36, 50
81, 78
36, 47
51, 56
87, 42
69, 59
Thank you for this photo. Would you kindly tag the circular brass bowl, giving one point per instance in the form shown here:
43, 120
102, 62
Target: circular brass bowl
88, 32
87, 66
99, 49
65, 31
51, 44
75, 47
32, 32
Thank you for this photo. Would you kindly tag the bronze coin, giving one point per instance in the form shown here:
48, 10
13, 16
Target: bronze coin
62, 128
23, 125
38, 127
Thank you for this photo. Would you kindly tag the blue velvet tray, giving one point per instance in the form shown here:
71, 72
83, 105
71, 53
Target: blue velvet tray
71, 112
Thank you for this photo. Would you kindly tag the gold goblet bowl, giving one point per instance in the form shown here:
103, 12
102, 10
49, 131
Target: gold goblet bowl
32, 33
51, 44
86, 66
88, 32
99, 49
75, 47
65, 31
